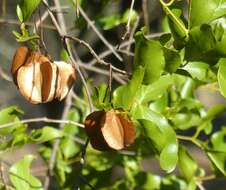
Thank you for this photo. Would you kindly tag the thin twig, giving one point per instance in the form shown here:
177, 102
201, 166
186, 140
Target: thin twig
129, 20
5, 76
15, 22
124, 44
102, 38
94, 54
41, 119
3, 176
146, 15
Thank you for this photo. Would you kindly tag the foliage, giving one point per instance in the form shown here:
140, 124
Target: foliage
159, 97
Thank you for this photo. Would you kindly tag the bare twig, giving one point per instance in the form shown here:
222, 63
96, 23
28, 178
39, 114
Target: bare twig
3, 176
102, 38
95, 55
41, 119
5, 76
129, 20
146, 15
15, 22
124, 44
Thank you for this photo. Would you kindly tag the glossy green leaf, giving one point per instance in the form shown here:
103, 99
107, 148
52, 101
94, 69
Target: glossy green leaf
218, 159
155, 90
21, 177
172, 60
9, 114
177, 26
204, 11
150, 55
221, 75
187, 164
46, 134
169, 157
26, 8
162, 135
198, 70
124, 96
187, 90
101, 97
218, 140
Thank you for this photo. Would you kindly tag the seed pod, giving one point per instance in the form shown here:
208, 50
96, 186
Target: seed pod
39, 80
109, 130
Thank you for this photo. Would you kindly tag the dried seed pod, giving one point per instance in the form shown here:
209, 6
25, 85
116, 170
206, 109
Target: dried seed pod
40, 80
109, 130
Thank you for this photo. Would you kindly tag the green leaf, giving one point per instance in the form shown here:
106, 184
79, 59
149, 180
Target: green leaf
161, 133
101, 97
46, 134
21, 177
109, 22
187, 164
198, 70
7, 115
205, 11
19, 13
154, 90
26, 8
187, 90
177, 26
172, 59
221, 76
124, 96
218, 140
150, 55
169, 157
218, 159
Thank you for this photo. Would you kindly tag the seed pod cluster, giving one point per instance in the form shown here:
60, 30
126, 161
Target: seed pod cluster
40, 80
109, 130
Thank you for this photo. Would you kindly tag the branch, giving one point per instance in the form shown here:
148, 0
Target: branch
124, 44
102, 38
129, 20
41, 119
146, 15
15, 22
95, 55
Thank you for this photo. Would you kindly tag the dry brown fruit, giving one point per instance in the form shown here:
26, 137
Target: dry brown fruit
109, 130
40, 80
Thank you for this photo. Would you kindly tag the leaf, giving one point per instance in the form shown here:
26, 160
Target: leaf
172, 60
109, 22
187, 164
218, 159
169, 157
205, 11
154, 90
221, 76
46, 134
218, 140
177, 26
101, 97
19, 13
21, 177
7, 115
161, 133
124, 96
149, 54
198, 70
26, 8
187, 90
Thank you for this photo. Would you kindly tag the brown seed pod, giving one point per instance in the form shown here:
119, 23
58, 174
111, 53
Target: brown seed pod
109, 130
39, 80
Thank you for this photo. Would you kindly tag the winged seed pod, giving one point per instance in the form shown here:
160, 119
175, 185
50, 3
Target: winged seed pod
109, 130
39, 80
